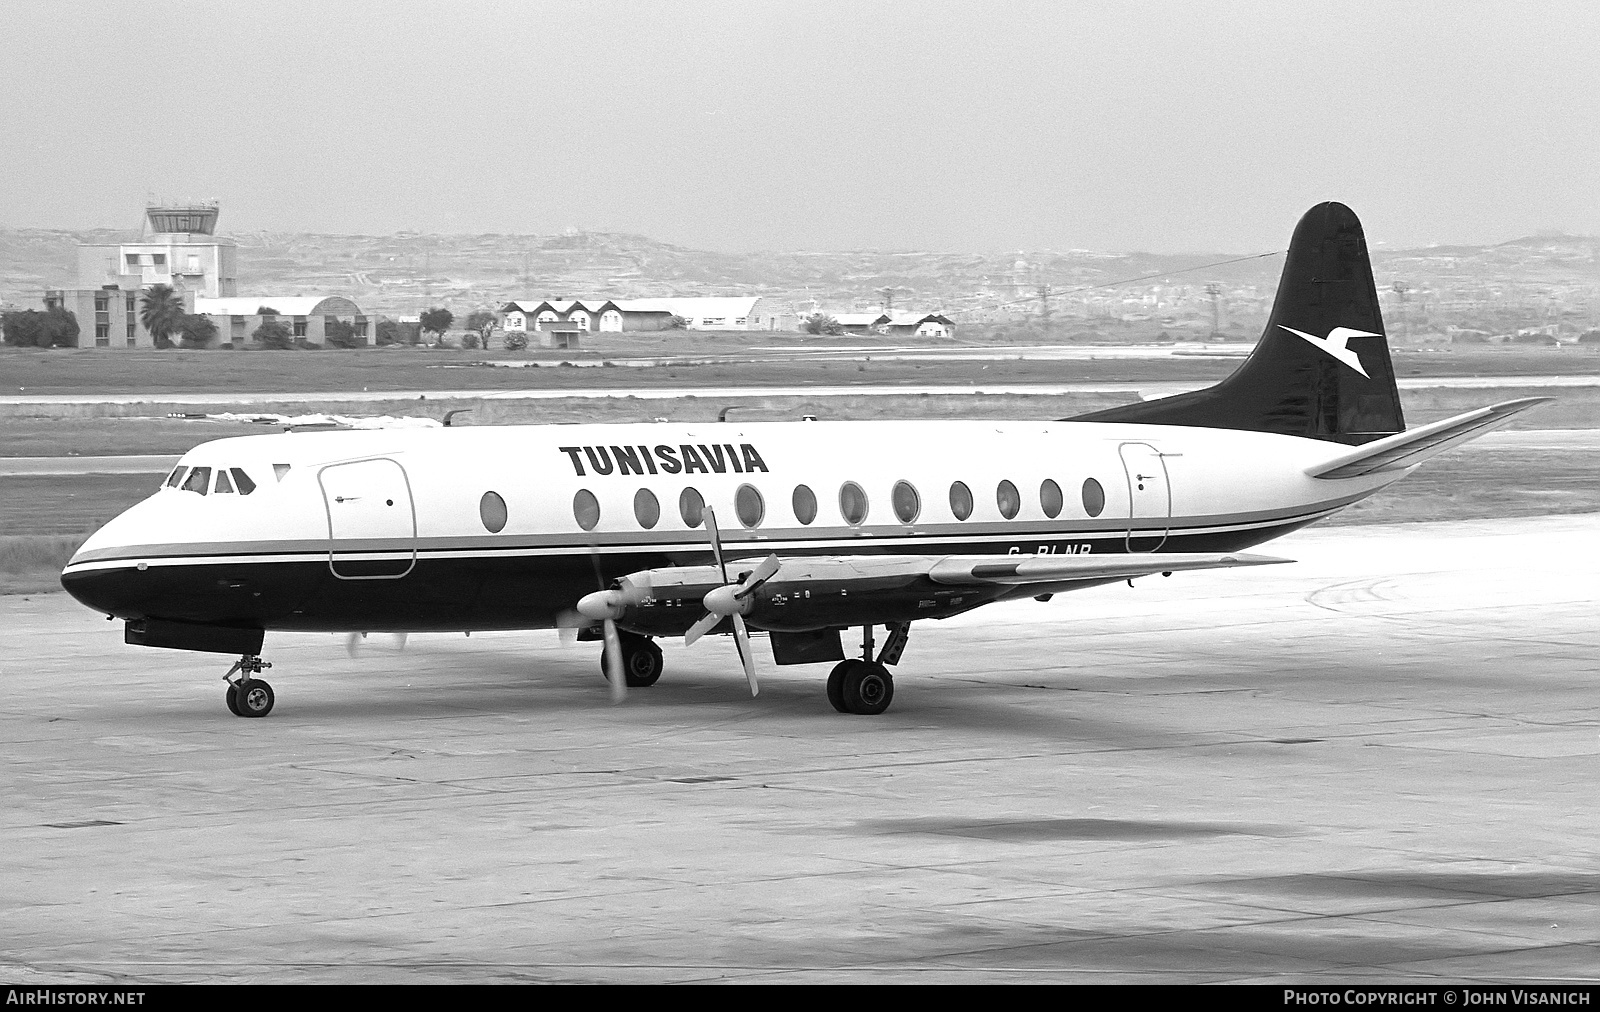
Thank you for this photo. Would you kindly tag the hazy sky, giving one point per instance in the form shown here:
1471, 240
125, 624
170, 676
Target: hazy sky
1165, 126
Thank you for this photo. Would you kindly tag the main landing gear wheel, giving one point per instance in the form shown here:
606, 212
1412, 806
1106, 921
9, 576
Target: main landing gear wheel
860, 687
253, 698
836, 684
641, 661
233, 701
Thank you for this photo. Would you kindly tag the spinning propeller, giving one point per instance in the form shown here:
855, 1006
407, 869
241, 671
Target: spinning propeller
605, 606
732, 600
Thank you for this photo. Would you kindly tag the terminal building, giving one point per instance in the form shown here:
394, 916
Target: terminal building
182, 250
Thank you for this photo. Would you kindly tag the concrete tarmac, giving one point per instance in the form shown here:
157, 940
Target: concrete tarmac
1377, 764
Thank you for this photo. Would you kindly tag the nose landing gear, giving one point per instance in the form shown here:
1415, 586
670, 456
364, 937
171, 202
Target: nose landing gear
248, 696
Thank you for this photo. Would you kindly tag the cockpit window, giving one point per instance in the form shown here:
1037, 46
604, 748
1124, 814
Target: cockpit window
223, 484
176, 476
242, 481
199, 480
280, 470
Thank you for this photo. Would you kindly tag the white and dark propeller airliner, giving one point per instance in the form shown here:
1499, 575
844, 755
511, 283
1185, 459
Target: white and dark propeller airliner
804, 529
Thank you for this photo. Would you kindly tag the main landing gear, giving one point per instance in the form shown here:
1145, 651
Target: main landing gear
641, 660
865, 686
248, 696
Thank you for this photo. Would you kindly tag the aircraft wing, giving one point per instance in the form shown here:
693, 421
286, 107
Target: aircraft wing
1021, 570
1403, 449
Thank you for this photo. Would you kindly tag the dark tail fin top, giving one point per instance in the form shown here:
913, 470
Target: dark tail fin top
1322, 369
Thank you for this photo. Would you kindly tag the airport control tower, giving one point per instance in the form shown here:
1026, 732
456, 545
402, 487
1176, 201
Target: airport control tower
181, 249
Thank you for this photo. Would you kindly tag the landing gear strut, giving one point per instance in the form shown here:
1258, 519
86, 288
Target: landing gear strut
865, 687
248, 696
641, 660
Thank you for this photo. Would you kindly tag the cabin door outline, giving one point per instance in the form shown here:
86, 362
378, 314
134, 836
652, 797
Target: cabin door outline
1149, 496
372, 519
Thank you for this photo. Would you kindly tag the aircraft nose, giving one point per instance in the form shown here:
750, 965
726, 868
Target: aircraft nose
111, 591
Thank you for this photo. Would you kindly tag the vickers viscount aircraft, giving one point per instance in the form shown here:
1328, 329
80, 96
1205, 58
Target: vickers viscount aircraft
799, 529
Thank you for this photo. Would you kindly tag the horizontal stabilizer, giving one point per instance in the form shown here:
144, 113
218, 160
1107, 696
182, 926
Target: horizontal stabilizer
1026, 569
1413, 447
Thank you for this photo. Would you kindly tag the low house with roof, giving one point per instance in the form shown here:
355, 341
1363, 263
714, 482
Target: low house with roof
306, 317
861, 323
919, 325
621, 315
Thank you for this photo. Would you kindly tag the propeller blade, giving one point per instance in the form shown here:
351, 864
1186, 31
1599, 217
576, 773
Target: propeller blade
761, 574
400, 641
741, 639
710, 517
614, 672
707, 622
352, 643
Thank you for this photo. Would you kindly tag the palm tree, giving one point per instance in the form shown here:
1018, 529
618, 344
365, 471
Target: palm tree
161, 312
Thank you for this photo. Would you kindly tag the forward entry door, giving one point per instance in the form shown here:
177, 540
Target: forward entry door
1149, 497
372, 523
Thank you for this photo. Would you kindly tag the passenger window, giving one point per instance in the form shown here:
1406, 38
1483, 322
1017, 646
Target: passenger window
1094, 497
223, 484
1050, 499
199, 480
749, 506
242, 481
805, 504
175, 477
691, 507
1008, 499
960, 500
906, 502
646, 508
492, 511
852, 503
586, 509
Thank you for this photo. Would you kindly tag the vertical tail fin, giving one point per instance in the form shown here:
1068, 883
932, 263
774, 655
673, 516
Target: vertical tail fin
1321, 369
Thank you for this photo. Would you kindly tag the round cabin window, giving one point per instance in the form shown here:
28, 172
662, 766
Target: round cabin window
492, 511
906, 502
586, 509
960, 500
805, 504
646, 508
1051, 499
852, 503
1094, 497
1008, 499
749, 506
692, 508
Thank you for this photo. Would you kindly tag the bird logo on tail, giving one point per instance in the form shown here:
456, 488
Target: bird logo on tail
1335, 344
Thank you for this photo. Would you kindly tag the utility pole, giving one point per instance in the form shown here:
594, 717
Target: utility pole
1215, 291
1400, 289
1044, 306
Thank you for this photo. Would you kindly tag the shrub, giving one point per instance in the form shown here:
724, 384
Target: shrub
342, 334
469, 340
274, 335
515, 341
822, 323
196, 331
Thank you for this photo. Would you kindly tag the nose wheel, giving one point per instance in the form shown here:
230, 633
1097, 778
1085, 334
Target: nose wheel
247, 695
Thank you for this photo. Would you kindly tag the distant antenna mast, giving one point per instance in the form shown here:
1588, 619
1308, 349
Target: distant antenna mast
1215, 291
